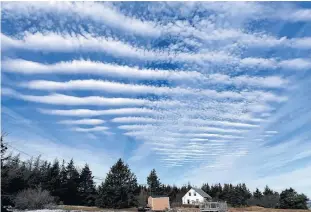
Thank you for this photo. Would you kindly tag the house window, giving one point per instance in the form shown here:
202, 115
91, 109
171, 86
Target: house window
189, 193
194, 194
197, 200
188, 201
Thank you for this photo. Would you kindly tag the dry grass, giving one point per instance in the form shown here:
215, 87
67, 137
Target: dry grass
261, 209
82, 208
179, 209
87, 208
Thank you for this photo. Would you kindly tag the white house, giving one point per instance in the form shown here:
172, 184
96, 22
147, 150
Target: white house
195, 196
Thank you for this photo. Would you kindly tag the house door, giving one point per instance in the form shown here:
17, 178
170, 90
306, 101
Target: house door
188, 201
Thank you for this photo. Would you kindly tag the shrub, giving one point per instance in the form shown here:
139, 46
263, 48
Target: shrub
33, 199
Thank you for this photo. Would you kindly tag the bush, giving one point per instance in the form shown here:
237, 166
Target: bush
33, 199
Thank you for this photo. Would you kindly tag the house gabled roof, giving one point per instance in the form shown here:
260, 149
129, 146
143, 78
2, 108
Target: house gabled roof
201, 193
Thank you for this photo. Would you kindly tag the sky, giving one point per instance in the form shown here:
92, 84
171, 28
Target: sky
215, 92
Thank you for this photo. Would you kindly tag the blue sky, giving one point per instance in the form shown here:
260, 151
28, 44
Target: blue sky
200, 91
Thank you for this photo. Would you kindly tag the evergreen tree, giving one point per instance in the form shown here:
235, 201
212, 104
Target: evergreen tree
257, 194
119, 188
72, 185
142, 197
63, 182
206, 188
289, 199
225, 195
267, 191
35, 178
87, 187
54, 180
3, 149
154, 183
189, 186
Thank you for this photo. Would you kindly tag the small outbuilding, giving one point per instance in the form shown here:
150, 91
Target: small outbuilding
159, 203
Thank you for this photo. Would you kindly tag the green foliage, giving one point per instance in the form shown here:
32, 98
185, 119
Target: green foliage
290, 199
257, 194
71, 184
154, 183
119, 189
66, 184
87, 187
267, 191
205, 187
3, 149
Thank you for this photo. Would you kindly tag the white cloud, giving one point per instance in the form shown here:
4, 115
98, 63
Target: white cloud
92, 129
61, 99
182, 129
95, 11
153, 132
90, 113
296, 64
97, 68
133, 119
82, 122
115, 87
67, 43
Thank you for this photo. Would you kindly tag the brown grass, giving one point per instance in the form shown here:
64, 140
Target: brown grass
261, 209
87, 208
180, 209
76, 207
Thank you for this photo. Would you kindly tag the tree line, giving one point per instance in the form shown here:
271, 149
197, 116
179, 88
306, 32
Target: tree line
71, 185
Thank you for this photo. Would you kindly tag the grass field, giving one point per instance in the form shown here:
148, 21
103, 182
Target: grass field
260, 209
254, 209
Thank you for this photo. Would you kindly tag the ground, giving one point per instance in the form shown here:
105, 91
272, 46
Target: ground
66, 208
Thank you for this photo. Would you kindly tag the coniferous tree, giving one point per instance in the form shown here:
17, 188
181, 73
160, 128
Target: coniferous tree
290, 199
268, 191
35, 178
225, 195
72, 184
206, 188
63, 182
54, 180
257, 194
154, 183
87, 187
3, 149
119, 188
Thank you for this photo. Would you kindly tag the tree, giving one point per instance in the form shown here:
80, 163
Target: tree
53, 183
3, 149
119, 188
154, 183
72, 184
216, 191
142, 197
87, 187
290, 199
257, 194
206, 188
268, 191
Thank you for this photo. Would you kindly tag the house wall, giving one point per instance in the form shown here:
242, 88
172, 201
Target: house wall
159, 203
193, 199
